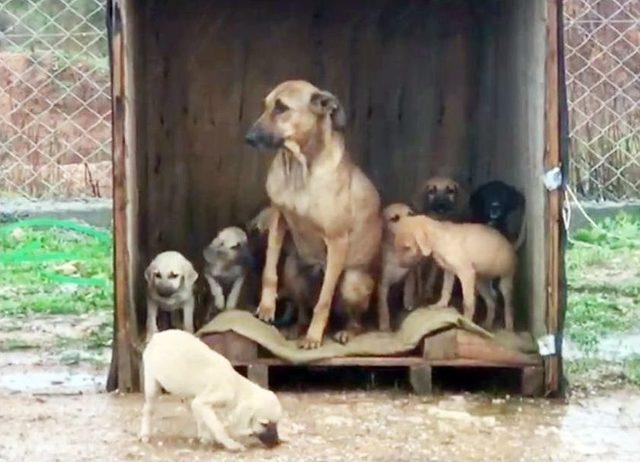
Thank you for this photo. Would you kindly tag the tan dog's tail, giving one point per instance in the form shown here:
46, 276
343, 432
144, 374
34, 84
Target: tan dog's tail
522, 235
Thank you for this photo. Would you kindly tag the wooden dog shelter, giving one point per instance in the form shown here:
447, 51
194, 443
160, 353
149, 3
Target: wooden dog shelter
467, 88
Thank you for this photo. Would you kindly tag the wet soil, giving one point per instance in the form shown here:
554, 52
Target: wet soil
69, 421
52, 408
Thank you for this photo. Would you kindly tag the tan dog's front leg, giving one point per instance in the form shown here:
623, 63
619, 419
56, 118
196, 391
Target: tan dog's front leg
267, 309
232, 299
468, 282
336, 256
202, 407
152, 318
187, 315
216, 292
447, 288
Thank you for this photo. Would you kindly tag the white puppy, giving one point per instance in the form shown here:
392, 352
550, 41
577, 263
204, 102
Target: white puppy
227, 260
392, 271
183, 365
170, 278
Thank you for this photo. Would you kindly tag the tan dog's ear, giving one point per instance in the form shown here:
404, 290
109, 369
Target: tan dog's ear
147, 273
190, 274
423, 242
323, 102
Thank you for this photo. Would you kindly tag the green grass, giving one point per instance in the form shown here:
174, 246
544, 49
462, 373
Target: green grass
14, 344
594, 373
632, 370
54, 267
603, 273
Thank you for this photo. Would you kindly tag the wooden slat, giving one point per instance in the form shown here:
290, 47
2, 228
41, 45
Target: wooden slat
458, 345
554, 199
365, 361
233, 346
386, 361
124, 355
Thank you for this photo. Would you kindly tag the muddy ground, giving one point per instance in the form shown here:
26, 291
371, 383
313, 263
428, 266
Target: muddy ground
52, 408
53, 412
331, 426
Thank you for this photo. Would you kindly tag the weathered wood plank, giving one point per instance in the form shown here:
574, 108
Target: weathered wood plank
126, 353
554, 198
461, 345
420, 379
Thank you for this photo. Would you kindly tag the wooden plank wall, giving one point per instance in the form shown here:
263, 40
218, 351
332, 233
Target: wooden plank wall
209, 64
510, 132
430, 87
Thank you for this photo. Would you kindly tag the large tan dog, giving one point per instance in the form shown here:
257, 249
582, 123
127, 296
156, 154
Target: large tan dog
475, 253
328, 205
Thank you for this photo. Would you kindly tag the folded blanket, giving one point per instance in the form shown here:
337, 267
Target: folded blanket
418, 324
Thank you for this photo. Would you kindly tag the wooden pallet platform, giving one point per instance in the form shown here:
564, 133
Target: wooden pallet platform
453, 348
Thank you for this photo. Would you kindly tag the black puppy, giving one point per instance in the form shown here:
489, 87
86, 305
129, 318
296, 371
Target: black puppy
495, 203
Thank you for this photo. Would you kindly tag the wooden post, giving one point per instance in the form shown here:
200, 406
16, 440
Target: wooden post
554, 198
532, 381
258, 373
420, 379
124, 373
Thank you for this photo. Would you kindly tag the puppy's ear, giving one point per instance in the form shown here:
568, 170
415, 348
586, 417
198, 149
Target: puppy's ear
422, 239
325, 103
148, 273
190, 274
209, 254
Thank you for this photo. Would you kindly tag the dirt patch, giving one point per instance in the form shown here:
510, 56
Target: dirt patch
335, 426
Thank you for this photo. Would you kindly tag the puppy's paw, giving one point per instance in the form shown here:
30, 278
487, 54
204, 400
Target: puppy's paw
344, 336
143, 438
234, 446
309, 343
266, 313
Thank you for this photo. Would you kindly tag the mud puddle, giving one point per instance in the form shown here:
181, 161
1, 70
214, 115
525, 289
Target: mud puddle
61, 382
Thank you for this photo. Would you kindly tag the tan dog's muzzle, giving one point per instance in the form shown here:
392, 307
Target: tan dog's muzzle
269, 436
260, 137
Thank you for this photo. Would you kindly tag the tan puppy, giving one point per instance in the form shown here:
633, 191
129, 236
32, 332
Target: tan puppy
328, 205
392, 271
440, 198
474, 253
170, 278
184, 366
227, 260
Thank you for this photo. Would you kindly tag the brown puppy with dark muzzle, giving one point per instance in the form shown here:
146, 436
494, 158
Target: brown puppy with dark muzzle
329, 206
441, 198
475, 253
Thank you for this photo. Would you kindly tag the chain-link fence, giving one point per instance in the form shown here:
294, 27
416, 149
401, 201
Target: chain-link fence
54, 100
602, 48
